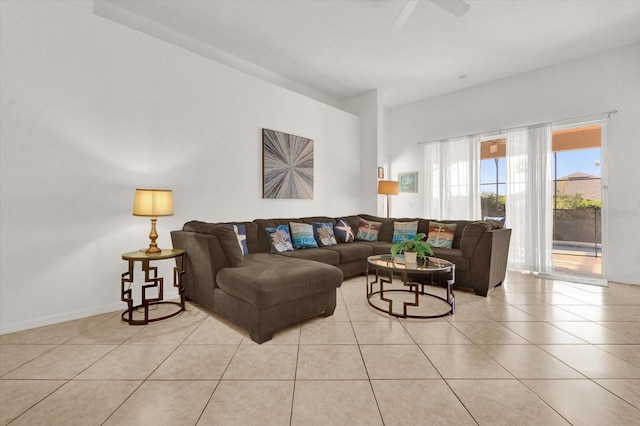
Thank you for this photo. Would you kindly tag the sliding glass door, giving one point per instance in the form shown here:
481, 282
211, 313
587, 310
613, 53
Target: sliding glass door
577, 203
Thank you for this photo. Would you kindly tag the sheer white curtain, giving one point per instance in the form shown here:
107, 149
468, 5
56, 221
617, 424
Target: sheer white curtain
530, 197
452, 179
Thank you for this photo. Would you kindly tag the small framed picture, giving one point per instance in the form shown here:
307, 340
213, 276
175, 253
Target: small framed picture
408, 181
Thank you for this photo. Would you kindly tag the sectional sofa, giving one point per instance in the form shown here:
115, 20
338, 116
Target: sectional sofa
263, 291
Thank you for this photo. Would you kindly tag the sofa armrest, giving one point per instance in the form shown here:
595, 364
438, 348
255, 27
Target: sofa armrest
204, 259
489, 261
471, 236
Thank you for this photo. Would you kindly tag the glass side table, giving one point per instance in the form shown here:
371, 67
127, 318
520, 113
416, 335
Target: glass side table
152, 282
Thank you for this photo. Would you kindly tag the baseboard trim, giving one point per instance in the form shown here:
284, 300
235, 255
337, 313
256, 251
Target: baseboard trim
601, 282
69, 316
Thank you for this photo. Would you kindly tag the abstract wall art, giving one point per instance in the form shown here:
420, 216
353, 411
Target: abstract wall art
287, 164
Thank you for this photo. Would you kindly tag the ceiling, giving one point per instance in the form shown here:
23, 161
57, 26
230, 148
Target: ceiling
335, 49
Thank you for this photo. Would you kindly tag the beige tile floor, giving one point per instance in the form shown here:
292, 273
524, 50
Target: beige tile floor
534, 352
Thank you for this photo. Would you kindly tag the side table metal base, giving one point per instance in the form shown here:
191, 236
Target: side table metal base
152, 282
129, 318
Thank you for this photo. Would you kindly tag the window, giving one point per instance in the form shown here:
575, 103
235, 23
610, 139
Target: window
493, 177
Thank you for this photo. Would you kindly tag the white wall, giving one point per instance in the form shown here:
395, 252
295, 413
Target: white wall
90, 110
591, 85
369, 107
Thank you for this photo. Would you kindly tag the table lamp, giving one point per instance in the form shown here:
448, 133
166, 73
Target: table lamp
388, 187
153, 203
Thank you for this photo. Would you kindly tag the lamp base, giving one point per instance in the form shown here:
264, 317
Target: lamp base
153, 236
388, 206
153, 249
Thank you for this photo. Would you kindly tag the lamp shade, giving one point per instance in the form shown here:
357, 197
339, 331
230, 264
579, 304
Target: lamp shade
153, 202
388, 187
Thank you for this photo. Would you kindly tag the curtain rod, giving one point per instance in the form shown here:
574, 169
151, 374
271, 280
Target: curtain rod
501, 131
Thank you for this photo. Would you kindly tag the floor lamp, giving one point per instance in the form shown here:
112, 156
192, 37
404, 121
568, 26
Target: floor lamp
388, 187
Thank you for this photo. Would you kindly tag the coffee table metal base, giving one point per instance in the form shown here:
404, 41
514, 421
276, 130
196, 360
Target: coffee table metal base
415, 288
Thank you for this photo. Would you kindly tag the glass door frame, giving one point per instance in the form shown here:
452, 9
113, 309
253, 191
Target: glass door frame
568, 124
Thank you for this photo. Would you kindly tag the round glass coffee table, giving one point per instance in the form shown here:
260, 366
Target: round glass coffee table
415, 277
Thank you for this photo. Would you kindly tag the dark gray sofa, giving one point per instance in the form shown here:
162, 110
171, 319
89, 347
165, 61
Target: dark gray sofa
264, 292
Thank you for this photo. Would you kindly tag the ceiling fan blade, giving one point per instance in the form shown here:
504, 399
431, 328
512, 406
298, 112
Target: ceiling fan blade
406, 11
456, 7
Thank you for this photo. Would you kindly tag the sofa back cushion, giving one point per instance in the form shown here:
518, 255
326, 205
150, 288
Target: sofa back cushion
322, 219
226, 236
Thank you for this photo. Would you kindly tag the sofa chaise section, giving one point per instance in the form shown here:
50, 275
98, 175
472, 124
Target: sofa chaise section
260, 292
270, 292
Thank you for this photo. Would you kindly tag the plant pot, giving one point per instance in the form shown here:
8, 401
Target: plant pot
411, 257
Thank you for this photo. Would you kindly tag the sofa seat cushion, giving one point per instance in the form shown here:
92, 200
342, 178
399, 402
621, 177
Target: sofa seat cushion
315, 254
268, 280
352, 252
377, 247
453, 255
382, 248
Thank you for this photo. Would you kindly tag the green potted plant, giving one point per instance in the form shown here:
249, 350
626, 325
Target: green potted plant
412, 248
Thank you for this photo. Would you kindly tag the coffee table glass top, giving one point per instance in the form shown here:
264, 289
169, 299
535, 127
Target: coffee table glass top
433, 264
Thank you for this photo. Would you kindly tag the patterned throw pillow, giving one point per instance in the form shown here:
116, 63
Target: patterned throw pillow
368, 230
324, 234
497, 220
441, 234
279, 238
407, 230
241, 235
302, 235
343, 232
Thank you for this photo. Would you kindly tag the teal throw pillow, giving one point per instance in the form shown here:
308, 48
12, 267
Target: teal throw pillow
404, 230
323, 232
302, 235
279, 238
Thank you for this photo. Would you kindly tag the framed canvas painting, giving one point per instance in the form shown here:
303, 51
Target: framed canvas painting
287, 165
408, 181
